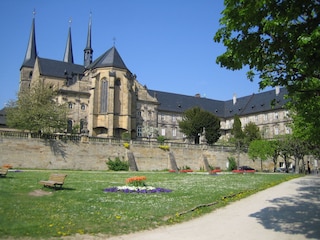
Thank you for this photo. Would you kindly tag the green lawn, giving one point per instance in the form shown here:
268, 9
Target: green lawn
83, 207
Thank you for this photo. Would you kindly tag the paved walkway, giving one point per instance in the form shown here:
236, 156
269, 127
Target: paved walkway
289, 211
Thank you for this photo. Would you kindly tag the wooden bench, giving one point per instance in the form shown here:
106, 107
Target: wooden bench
55, 180
3, 172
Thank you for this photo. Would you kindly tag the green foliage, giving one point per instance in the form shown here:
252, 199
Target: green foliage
126, 136
195, 120
161, 139
117, 164
260, 149
232, 164
242, 138
238, 135
237, 128
280, 43
36, 110
251, 132
277, 39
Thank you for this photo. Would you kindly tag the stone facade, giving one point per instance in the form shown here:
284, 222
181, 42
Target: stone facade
104, 97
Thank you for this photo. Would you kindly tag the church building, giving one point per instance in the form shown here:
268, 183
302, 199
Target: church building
105, 99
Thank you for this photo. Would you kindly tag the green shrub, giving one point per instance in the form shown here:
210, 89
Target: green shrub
117, 164
161, 139
232, 164
125, 136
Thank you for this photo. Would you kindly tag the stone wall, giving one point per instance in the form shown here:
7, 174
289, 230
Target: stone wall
91, 155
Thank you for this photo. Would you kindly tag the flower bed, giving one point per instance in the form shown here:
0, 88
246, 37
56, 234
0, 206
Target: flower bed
136, 184
129, 189
9, 166
215, 171
186, 170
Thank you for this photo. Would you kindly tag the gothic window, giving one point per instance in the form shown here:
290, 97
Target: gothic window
69, 126
70, 105
81, 124
117, 98
104, 96
83, 107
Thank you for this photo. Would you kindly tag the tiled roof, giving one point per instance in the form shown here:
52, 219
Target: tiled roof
265, 101
172, 102
110, 58
55, 68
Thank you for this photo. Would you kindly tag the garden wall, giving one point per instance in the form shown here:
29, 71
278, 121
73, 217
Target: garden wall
90, 155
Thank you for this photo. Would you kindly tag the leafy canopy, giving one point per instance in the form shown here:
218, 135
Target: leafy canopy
36, 110
279, 40
193, 122
280, 43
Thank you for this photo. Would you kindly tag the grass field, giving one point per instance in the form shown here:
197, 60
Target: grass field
83, 207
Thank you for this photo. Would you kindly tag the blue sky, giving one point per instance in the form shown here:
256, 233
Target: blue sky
168, 44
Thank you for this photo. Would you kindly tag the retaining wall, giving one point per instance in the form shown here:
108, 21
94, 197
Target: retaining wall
92, 155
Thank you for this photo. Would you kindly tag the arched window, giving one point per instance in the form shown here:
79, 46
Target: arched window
69, 126
104, 96
81, 125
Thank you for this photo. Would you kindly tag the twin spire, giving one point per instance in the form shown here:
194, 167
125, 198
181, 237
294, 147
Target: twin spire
68, 53
31, 53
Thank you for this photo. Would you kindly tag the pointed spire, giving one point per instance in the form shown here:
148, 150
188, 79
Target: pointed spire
88, 50
31, 53
68, 54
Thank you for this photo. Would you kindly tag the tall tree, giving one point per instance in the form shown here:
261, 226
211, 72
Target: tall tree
259, 149
36, 110
251, 132
196, 120
280, 43
238, 137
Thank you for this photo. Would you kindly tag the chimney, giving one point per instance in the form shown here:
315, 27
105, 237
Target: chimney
234, 98
277, 90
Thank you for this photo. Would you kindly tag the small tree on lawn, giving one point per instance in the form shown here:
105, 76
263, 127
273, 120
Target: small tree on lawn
36, 110
259, 149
